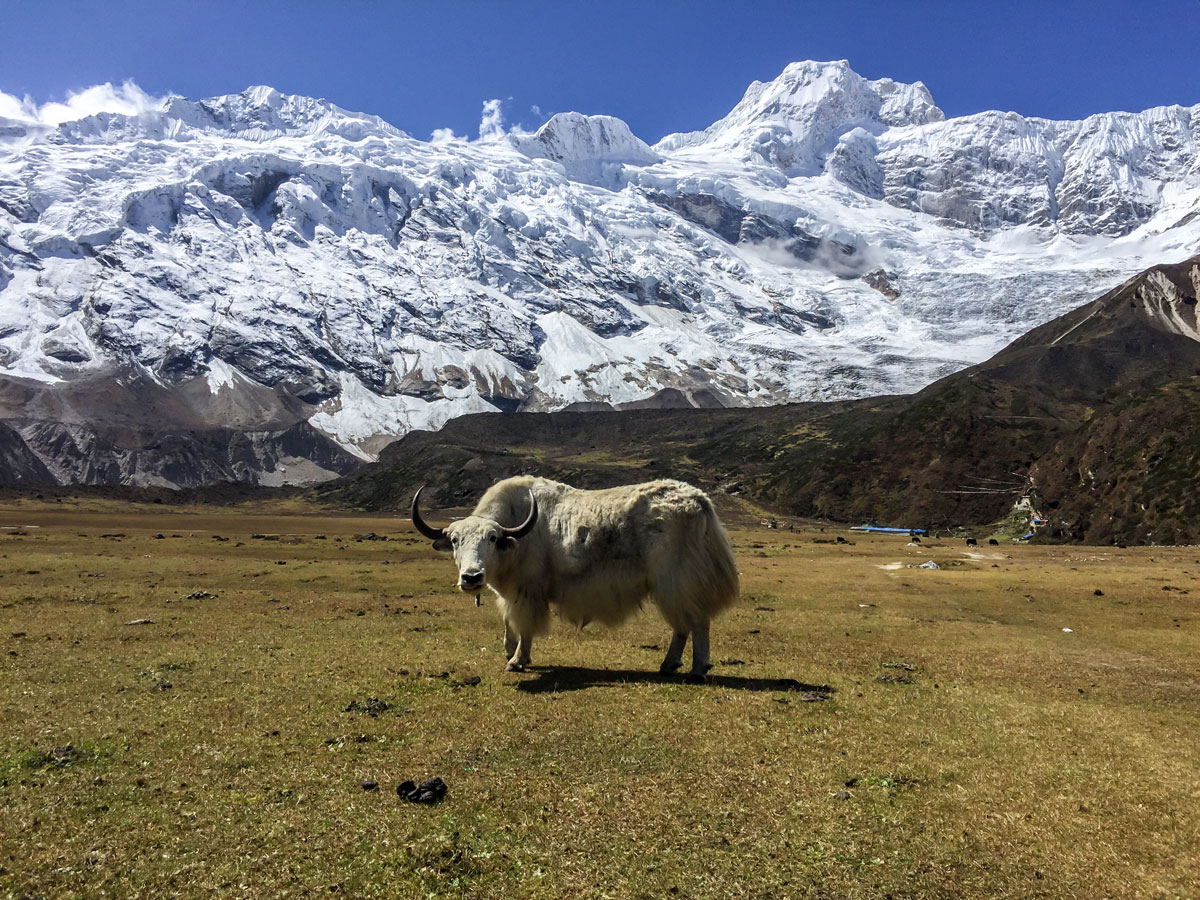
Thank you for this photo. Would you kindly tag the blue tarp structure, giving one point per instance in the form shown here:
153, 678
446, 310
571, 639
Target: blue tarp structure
881, 528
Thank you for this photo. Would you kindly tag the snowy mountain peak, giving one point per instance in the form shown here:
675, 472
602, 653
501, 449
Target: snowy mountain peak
259, 114
809, 83
794, 121
588, 147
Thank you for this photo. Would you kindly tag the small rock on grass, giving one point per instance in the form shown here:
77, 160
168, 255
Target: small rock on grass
430, 791
140, 622
370, 785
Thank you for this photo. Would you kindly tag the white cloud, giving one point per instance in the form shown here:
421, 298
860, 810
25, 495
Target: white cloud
491, 126
14, 108
443, 136
537, 111
127, 99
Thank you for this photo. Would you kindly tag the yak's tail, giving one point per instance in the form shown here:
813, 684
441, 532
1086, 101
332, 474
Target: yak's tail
723, 579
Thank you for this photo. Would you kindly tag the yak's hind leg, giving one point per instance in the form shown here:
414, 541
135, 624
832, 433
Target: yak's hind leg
693, 572
700, 660
674, 653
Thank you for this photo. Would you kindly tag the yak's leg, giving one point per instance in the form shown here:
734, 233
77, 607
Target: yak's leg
510, 640
700, 662
674, 653
525, 617
520, 658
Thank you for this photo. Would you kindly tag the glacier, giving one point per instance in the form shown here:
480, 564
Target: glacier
259, 263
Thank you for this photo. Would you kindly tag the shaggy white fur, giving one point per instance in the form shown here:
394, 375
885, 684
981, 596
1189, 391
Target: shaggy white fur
597, 556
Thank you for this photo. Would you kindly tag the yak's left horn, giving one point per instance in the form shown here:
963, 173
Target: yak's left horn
527, 526
429, 531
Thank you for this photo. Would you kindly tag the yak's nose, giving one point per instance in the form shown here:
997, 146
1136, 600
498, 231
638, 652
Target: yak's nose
469, 581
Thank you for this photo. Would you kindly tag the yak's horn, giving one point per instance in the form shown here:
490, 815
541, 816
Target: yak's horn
429, 531
527, 526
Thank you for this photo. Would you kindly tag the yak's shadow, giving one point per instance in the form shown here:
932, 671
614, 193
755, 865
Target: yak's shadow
556, 679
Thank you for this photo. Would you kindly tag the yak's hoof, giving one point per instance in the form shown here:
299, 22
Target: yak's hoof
669, 668
696, 678
515, 667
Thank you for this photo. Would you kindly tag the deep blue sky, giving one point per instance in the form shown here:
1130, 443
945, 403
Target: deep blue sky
662, 65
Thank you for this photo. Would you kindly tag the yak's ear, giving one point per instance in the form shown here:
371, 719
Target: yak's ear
443, 544
506, 543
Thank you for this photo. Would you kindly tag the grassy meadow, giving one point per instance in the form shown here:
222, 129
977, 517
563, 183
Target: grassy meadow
869, 730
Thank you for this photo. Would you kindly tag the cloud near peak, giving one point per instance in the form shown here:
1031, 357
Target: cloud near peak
491, 125
126, 99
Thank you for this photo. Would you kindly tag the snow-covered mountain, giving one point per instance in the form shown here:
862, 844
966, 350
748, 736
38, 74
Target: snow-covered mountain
307, 283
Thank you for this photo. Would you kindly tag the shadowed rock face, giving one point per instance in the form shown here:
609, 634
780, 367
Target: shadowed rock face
18, 463
882, 282
54, 453
110, 431
740, 226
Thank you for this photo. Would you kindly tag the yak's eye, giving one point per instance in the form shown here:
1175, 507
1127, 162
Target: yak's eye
492, 538
454, 540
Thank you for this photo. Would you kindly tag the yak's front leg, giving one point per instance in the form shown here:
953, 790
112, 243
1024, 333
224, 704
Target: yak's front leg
700, 661
520, 657
523, 619
674, 657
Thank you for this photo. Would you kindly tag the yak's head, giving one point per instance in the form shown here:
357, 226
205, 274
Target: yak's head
476, 542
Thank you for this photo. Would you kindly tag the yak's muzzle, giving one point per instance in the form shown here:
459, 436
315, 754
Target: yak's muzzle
470, 581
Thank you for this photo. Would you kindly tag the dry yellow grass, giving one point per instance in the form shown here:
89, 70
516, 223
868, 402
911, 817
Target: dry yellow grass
1021, 760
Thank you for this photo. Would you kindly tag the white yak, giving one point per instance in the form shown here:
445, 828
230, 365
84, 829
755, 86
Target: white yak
595, 556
